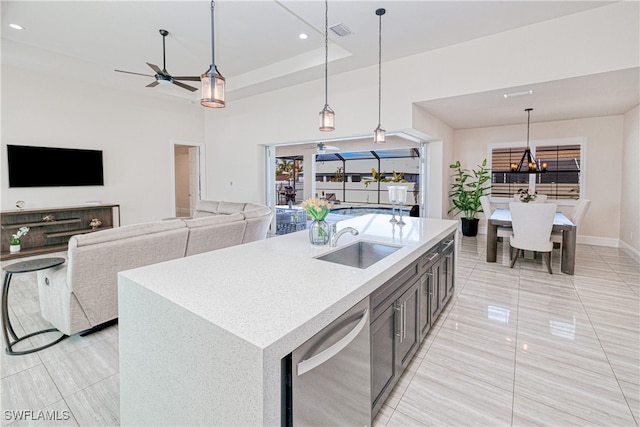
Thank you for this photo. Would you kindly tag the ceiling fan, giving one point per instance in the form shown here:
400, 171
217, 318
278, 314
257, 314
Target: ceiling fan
162, 76
322, 148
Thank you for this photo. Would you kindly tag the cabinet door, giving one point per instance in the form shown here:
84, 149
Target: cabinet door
408, 332
443, 289
436, 305
449, 267
384, 369
424, 317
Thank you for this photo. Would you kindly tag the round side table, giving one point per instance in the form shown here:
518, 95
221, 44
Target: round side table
8, 271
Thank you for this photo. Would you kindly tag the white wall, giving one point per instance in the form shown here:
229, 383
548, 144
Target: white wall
133, 132
629, 215
235, 134
601, 171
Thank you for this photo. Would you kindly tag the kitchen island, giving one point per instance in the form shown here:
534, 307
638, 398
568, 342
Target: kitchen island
202, 338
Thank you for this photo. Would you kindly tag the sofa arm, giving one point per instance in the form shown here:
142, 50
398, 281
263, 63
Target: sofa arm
58, 305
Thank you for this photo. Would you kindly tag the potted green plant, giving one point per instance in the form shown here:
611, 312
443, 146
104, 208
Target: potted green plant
466, 189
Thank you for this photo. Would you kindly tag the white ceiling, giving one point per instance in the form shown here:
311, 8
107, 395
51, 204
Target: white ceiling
258, 49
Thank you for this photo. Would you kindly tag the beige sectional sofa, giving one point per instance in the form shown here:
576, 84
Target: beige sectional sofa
82, 293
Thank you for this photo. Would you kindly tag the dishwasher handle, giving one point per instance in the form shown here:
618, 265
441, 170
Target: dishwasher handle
317, 360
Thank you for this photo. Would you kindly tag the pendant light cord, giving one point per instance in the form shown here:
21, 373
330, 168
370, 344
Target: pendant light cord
213, 57
380, 12
326, 51
528, 124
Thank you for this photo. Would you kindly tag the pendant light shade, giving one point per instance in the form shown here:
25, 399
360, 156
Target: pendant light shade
327, 119
212, 82
528, 163
379, 132
327, 116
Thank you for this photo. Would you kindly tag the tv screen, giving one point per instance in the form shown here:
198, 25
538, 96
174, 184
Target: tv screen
53, 167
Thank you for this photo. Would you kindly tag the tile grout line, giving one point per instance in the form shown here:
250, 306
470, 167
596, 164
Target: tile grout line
604, 351
515, 355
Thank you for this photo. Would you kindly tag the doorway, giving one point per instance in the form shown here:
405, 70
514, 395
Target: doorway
187, 164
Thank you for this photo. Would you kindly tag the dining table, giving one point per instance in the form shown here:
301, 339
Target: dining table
502, 217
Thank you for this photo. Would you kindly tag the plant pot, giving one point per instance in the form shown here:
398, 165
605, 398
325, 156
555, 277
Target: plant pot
14, 248
470, 226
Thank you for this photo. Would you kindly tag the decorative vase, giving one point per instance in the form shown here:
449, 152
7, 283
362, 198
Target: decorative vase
14, 248
319, 232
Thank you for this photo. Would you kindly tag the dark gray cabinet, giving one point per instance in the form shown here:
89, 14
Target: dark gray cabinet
384, 369
429, 278
436, 282
404, 309
394, 331
407, 329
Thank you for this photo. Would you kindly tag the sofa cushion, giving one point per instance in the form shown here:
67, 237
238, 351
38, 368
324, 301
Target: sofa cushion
230, 207
213, 220
124, 232
255, 211
215, 232
206, 208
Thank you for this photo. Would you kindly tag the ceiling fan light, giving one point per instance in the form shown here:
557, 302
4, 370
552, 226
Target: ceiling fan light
327, 119
378, 135
213, 90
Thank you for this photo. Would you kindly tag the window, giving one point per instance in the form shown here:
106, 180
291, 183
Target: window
503, 182
561, 181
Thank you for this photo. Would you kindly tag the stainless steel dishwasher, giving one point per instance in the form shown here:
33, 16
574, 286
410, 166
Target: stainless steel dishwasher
327, 380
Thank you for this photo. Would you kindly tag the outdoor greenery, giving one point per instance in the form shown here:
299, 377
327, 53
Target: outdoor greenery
379, 177
286, 167
467, 188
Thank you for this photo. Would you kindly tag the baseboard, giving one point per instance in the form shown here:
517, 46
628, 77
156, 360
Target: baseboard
598, 241
633, 252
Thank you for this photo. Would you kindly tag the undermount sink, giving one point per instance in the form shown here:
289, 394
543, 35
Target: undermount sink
360, 254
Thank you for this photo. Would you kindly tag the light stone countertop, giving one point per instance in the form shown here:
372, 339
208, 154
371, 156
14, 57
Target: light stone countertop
273, 293
202, 338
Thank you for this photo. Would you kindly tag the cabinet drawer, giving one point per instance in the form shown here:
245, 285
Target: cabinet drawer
388, 291
447, 244
429, 258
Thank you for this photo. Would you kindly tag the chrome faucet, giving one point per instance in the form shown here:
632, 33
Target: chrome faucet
334, 235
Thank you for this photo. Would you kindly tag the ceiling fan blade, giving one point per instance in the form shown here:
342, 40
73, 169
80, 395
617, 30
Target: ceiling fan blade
155, 68
184, 86
191, 79
137, 74
152, 84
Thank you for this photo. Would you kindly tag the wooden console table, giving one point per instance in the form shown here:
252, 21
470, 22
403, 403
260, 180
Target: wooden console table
52, 236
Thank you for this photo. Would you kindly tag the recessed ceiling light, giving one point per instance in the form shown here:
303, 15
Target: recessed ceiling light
303, 36
523, 93
16, 26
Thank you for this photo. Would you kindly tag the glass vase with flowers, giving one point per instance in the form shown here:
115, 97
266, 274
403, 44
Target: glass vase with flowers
318, 209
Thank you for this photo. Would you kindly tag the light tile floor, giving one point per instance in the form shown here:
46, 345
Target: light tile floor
513, 347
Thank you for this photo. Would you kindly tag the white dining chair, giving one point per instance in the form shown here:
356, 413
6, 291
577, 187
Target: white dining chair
532, 224
540, 198
577, 214
488, 209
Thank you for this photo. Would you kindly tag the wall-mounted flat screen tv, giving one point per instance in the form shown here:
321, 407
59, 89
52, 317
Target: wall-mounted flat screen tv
53, 167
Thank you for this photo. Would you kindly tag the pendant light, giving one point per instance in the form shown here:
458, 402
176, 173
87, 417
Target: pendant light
528, 163
212, 81
327, 116
378, 133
